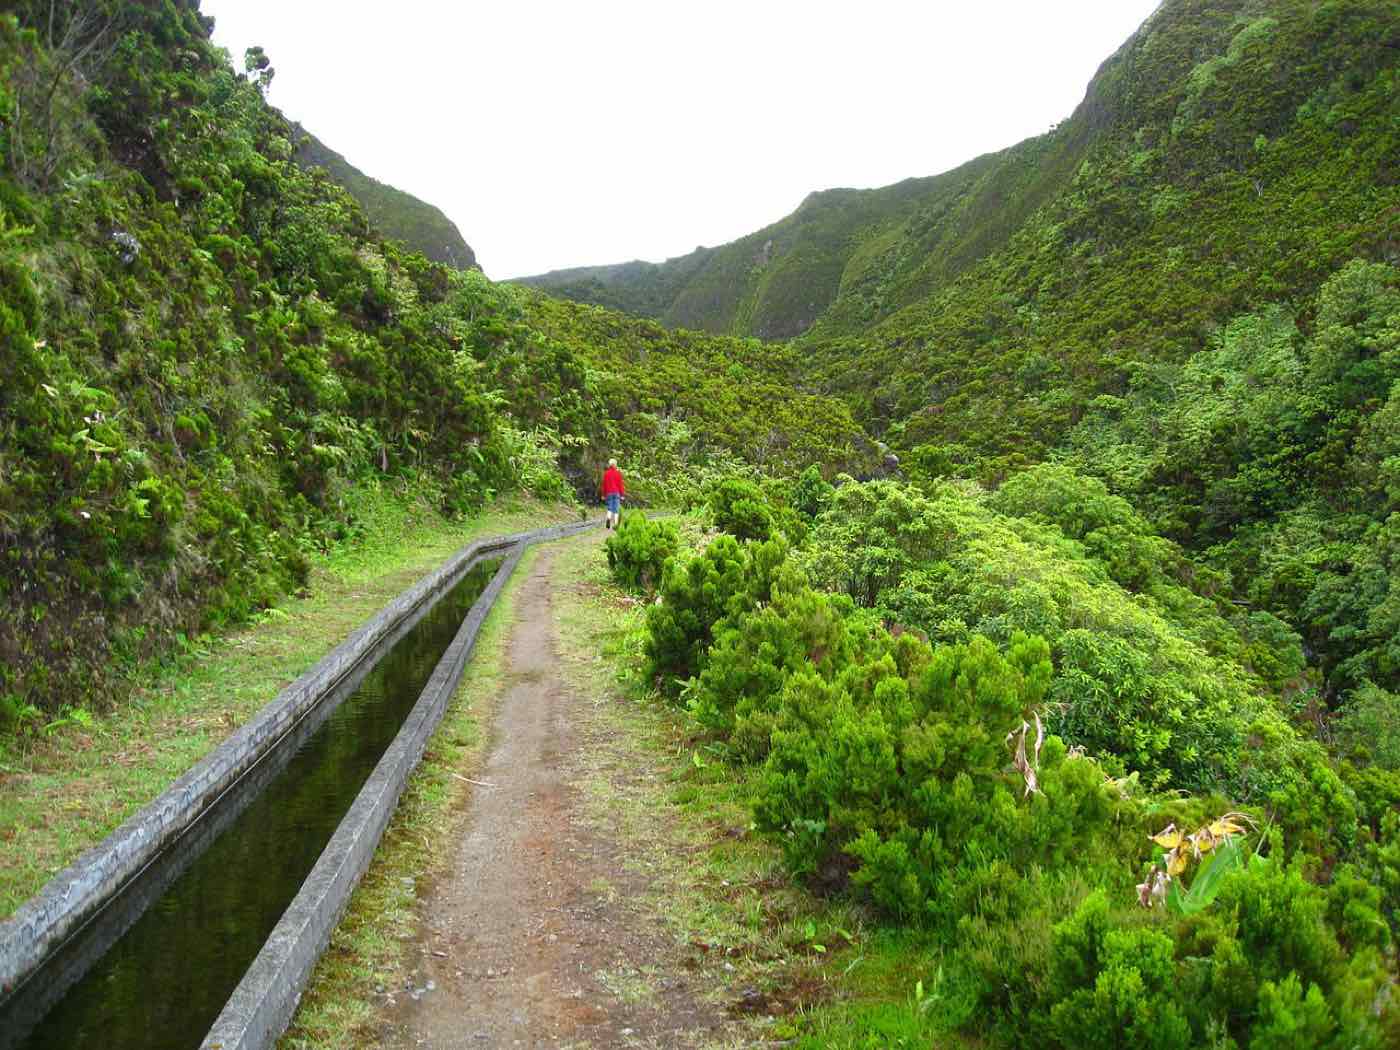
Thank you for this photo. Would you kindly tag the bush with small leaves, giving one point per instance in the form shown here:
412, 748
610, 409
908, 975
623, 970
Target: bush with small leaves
737, 695
1114, 986
896, 769
639, 550
811, 493
726, 580
741, 509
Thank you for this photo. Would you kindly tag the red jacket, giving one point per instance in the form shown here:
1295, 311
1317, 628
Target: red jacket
612, 483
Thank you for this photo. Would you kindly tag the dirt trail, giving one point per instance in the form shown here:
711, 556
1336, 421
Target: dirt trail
533, 937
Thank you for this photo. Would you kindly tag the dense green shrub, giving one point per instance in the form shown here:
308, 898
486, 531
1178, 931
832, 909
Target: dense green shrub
811, 493
725, 580
1113, 986
872, 536
919, 776
740, 509
1369, 727
639, 549
738, 691
1261, 967
905, 773
1145, 680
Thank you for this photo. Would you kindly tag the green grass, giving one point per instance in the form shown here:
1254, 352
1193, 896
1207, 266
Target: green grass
64, 789
369, 951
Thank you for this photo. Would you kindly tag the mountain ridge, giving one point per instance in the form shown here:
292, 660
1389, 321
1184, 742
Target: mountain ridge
846, 260
422, 226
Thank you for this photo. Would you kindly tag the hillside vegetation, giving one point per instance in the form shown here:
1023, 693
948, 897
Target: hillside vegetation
396, 214
1188, 289
778, 282
1102, 704
1232, 153
212, 358
1022, 730
1235, 154
1095, 707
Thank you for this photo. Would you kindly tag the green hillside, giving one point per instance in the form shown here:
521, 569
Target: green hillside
682, 406
776, 283
641, 288
396, 214
1195, 144
214, 359
1233, 153
1206, 317
1188, 288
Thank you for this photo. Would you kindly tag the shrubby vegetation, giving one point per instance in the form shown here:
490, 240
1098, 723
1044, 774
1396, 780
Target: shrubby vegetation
684, 410
995, 716
1188, 289
418, 224
639, 549
205, 348
1271, 453
1141, 579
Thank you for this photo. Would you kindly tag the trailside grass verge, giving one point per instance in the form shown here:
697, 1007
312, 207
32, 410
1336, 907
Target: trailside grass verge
794, 968
367, 962
64, 790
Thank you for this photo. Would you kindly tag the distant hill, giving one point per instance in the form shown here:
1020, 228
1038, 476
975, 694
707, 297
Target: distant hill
1231, 154
845, 258
1235, 112
394, 213
644, 289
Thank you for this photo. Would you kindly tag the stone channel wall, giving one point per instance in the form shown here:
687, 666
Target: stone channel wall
262, 1005
43, 923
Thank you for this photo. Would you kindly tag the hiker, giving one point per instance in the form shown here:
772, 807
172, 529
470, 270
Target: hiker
613, 491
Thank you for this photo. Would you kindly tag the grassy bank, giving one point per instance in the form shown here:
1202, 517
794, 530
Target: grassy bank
65, 787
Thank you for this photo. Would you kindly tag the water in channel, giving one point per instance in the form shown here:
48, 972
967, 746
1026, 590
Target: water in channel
197, 917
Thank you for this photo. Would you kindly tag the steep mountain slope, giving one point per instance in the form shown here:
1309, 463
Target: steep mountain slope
1207, 316
680, 405
1240, 153
402, 216
640, 288
775, 283
1190, 289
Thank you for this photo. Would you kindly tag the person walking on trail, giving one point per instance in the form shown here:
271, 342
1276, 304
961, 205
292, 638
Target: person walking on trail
613, 491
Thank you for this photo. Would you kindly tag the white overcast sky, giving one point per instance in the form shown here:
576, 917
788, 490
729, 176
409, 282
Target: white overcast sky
569, 133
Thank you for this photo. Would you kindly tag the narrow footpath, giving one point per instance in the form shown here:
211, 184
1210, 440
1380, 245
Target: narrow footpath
535, 936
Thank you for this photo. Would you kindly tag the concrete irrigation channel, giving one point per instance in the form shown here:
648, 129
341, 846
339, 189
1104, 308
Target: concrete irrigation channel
224, 890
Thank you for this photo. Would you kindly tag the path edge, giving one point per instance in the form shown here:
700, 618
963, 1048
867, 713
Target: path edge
44, 922
262, 1005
